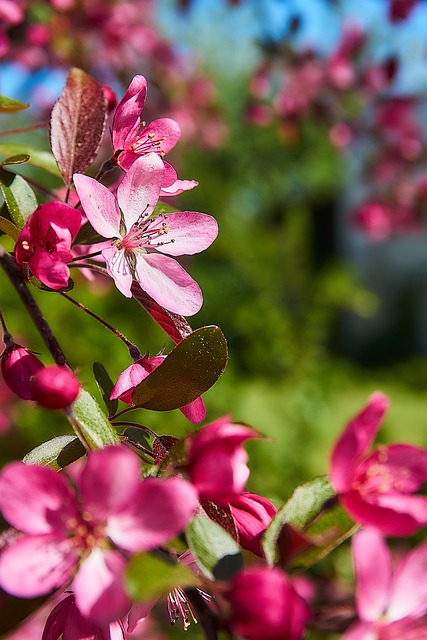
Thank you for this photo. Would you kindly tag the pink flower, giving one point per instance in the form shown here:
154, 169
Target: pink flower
377, 489
390, 606
217, 460
66, 617
18, 366
251, 514
195, 412
45, 242
132, 140
139, 241
55, 387
265, 606
84, 537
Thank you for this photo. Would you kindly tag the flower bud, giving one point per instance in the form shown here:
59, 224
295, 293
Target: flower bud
110, 97
251, 514
55, 387
18, 366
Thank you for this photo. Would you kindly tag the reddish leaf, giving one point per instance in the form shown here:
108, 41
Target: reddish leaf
221, 515
162, 446
77, 124
176, 326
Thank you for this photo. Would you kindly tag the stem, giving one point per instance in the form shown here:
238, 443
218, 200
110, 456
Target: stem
133, 349
14, 273
108, 165
89, 255
139, 426
122, 413
40, 125
7, 337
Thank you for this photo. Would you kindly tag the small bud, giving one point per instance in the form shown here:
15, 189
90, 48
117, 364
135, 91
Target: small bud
110, 97
55, 387
18, 366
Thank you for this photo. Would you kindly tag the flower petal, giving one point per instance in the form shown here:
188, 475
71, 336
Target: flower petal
108, 481
372, 562
127, 382
36, 499
165, 130
191, 232
48, 269
98, 587
159, 511
409, 589
177, 187
168, 283
126, 121
118, 268
139, 191
195, 411
35, 565
356, 438
363, 631
99, 205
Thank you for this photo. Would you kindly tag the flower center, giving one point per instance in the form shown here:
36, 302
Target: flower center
84, 533
379, 476
145, 233
179, 607
148, 143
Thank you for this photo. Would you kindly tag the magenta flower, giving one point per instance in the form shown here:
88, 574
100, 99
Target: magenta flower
132, 140
45, 242
55, 387
195, 411
217, 461
65, 621
390, 605
265, 606
84, 537
251, 514
377, 489
139, 241
18, 367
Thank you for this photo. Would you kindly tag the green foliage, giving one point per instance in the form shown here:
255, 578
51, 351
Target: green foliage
56, 453
19, 197
216, 553
90, 423
149, 576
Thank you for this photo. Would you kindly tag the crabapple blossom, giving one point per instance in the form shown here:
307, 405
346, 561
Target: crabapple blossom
390, 605
82, 537
195, 411
45, 242
132, 140
251, 514
139, 241
217, 461
55, 387
265, 606
377, 488
18, 366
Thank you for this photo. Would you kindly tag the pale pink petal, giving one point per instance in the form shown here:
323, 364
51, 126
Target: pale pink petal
168, 283
158, 511
137, 614
195, 412
361, 631
36, 499
108, 481
165, 130
126, 122
138, 192
409, 589
99, 205
372, 563
118, 268
177, 187
36, 565
48, 269
127, 382
169, 175
98, 587
356, 438
191, 232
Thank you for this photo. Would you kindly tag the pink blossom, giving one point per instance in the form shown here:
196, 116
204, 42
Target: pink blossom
85, 537
55, 387
400, 9
132, 140
45, 242
375, 219
265, 606
377, 488
217, 461
390, 605
195, 412
66, 621
18, 366
140, 241
251, 514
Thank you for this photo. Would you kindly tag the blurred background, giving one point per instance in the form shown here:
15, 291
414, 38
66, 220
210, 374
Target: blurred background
304, 122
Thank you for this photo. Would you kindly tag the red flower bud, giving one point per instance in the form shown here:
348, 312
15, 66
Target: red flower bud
110, 97
55, 387
18, 366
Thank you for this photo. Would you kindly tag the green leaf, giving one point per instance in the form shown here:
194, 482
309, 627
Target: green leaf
217, 555
9, 228
90, 423
164, 208
189, 370
105, 386
148, 577
313, 513
40, 159
19, 197
8, 105
77, 124
19, 158
56, 453
138, 437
